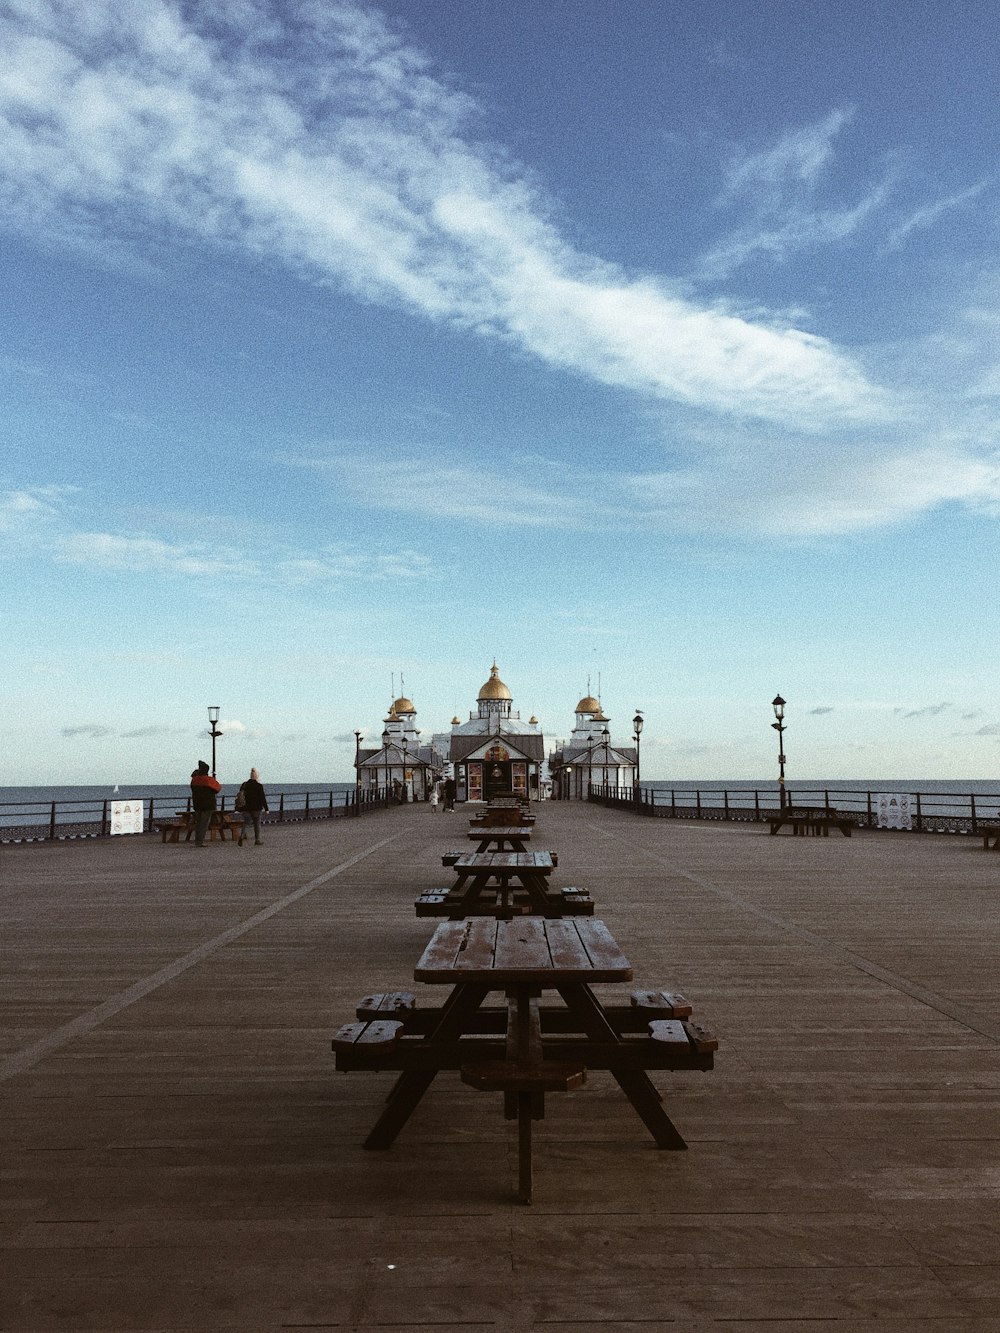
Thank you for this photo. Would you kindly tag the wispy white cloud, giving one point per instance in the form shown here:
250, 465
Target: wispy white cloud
778, 194
44, 515
316, 135
928, 214
797, 158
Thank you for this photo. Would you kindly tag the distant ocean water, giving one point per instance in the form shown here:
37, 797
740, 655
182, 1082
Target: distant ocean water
29, 806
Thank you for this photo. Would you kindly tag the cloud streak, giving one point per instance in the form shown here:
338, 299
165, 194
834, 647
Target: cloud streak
317, 136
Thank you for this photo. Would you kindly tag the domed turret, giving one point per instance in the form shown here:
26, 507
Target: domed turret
588, 704
403, 707
494, 687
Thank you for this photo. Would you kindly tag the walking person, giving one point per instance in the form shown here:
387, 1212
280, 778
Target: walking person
252, 806
435, 797
204, 788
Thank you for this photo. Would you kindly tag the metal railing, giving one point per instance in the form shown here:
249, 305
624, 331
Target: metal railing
931, 812
48, 821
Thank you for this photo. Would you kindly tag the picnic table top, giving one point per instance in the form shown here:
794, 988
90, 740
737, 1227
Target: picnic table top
527, 949
511, 861
500, 831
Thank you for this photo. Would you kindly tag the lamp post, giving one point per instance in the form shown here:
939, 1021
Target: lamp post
214, 732
778, 704
590, 764
636, 733
385, 756
606, 734
357, 765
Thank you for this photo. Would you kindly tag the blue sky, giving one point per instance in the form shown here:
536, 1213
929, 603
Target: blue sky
648, 344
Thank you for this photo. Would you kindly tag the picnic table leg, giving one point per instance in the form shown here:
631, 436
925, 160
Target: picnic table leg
411, 1085
524, 1118
636, 1085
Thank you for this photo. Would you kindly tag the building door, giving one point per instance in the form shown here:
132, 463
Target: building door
496, 771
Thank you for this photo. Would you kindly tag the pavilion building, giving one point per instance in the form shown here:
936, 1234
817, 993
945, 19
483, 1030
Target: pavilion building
402, 763
590, 756
494, 751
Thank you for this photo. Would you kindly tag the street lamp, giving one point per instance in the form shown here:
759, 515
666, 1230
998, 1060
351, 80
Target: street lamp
214, 732
385, 755
636, 733
357, 763
607, 752
406, 790
778, 704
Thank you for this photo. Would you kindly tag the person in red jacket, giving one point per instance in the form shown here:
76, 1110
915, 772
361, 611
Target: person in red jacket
203, 792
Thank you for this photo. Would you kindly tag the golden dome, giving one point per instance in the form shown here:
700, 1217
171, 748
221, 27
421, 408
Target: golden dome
532, 721
403, 705
588, 704
494, 687
456, 721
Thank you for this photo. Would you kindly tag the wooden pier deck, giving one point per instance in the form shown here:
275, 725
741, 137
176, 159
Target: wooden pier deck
178, 1153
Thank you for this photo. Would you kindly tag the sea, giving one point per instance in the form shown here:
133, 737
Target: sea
33, 805
28, 806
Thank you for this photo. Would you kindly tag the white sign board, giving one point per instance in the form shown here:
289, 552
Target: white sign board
127, 816
893, 809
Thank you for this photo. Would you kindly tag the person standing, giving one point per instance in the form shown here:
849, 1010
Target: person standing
449, 795
435, 797
254, 804
204, 788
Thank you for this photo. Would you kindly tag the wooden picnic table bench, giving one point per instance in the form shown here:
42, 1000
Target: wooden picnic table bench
221, 823
990, 835
502, 838
524, 1048
500, 817
504, 884
810, 820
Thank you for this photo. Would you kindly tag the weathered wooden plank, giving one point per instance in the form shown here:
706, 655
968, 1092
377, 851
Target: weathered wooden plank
521, 945
565, 947
701, 1038
669, 1032
603, 948
480, 945
666, 1004
442, 949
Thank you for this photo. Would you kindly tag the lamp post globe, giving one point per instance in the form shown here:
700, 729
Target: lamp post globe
636, 733
213, 729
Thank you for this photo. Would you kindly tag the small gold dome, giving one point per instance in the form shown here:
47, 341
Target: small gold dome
588, 704
532, 721
402, 706
494, 687
456, 721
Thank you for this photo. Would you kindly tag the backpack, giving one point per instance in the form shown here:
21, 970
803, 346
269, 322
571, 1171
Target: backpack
241, 799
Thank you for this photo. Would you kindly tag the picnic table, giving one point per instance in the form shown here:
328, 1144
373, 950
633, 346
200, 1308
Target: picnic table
502, 884
221, 823
502, 838
500, 817
810, 820
991, 836
524, 1048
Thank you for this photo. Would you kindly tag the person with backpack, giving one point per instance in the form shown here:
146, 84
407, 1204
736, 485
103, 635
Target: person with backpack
251, 802
204, 788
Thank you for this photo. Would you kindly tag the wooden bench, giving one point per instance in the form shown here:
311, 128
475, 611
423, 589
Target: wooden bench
990, 835
816, 821
170, 829
523, 1048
